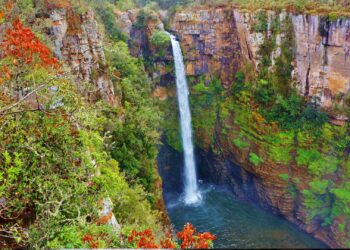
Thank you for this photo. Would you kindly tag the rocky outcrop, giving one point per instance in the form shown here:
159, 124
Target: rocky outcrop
159, 61
126, 20
221, 40
79, 44
323, 68
263, 185
217, 40
210, 42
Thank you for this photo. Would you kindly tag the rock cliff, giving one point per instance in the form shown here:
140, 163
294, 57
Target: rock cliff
221, 40
218, 40
158, 61
78, 43
210, 42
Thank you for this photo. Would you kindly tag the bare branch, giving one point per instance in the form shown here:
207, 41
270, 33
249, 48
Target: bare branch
40, 87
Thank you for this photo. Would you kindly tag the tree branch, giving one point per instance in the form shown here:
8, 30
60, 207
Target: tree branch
40, 87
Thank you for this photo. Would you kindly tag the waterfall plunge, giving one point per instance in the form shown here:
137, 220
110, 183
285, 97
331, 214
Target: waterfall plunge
192, 194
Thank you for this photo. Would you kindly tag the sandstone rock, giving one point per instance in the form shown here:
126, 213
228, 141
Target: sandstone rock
107, 214
80, 47
208, 38
216, 40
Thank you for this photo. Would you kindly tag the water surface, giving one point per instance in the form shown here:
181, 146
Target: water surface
237, 224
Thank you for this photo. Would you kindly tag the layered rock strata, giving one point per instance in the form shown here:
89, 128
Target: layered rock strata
79, 44
217, 40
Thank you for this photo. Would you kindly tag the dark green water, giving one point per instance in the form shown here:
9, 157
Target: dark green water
237, 224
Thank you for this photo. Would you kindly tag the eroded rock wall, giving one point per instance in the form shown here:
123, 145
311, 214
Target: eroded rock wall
210, 42
264, 186
322, 50
78, 43
221, 40
218, 40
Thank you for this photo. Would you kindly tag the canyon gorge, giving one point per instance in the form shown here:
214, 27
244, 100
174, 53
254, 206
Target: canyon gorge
222, 40
150, 114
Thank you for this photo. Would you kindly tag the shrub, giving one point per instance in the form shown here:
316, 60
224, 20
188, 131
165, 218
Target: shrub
160, 39
280, 154
323, 166
255, 159
319, 186
306, 156
284, 177
241, 144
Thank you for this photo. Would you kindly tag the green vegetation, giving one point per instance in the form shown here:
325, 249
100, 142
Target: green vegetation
106, 13
136, 135
206, 107
331, 8
61, 156
255, 159
284, 177
266, 114
240, 143
160, 39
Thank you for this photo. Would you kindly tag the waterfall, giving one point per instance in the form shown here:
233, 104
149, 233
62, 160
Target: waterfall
192, 194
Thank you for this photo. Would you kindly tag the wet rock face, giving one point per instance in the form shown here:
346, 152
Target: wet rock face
209, 41
79, 44
218, 40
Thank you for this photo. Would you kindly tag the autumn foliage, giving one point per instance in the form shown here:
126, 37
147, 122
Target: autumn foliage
144, 239
193, 240
20, 47
21, 44
189, 239
90, 240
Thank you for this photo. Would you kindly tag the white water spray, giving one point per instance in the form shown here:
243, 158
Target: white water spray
192, 194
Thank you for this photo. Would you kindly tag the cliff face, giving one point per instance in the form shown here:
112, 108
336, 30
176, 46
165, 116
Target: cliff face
79, 44
210, 43
218, 40
264, 186
322, 57
158, 61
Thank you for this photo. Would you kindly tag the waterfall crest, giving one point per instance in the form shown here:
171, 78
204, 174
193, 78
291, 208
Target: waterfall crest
192, 195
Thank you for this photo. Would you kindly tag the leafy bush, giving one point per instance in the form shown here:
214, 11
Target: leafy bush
319, 186
280, 154
255, 159
306, 156
323, 166
241, 144
284, 177
106, 13
160, 39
